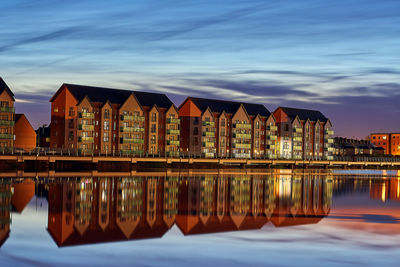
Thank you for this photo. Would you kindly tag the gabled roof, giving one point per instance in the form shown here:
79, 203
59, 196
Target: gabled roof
304, 114
116, 96
229, 106
4, 86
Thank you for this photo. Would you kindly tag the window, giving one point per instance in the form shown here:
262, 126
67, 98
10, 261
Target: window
71, 111
153, 117
106, 125
55, 109
153, 128
107, 114
105, 137
196, 121
257, 125
196, 131
222, 122
153, 139
286, 127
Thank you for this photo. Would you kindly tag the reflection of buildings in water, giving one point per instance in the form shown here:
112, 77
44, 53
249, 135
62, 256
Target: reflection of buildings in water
5, 211
386, 190
310, 200
23, 193
170, 200
129, 204
111, 209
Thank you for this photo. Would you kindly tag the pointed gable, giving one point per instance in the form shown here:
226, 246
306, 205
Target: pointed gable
4, 87
304, 114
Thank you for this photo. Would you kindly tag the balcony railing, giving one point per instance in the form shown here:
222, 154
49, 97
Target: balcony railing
209, 134
329, 132
298, 148
272, 137
209, 155
173, 131
271, 147
173, 153
6, 136
173, 142
297, 139
297, 130
86, 127
86, 139
241, 155
132, 118
242, 125
129, 129
208, 123
86, 115
235, 145
6, 123
7, 109
173, 120
124, 140
329, 140
329, 149
208, 144
272, 128
132, 152
240, 135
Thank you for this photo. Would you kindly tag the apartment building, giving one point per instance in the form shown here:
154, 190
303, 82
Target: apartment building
25, 135
390, 142
212, 128
303, 134
106, 120
6, 116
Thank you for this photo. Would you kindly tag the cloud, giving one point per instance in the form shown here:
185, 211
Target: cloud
41, 38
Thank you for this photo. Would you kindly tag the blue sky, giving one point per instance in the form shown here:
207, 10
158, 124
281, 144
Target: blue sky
341, 57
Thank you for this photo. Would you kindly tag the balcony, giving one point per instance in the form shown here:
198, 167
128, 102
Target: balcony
272, 147
6, 136
297, 129
329, 132
128, 129
86, 127
297, 148
208, 123
241, 155
272, 137
209, 134
208, 144
248, 146
86, 115
271, 156
6, 123
86, 139
173, 154
272, 128
173, 131
297, 157
173, 120
132, 118
173, 142
208, 155
131, 152
7, 109
298, 139
329, 140
242, 125
240, 135
124, 140
329, 149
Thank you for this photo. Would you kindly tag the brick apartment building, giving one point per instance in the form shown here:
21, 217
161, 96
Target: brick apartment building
25, 135
303, 134
390, 142
220, 128
105, 120
6, 116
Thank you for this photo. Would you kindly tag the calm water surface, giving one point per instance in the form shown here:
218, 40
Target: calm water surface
231, 219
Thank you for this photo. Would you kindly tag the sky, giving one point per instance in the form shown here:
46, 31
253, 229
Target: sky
340, 57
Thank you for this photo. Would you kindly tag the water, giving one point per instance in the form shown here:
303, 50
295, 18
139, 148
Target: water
175, 219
